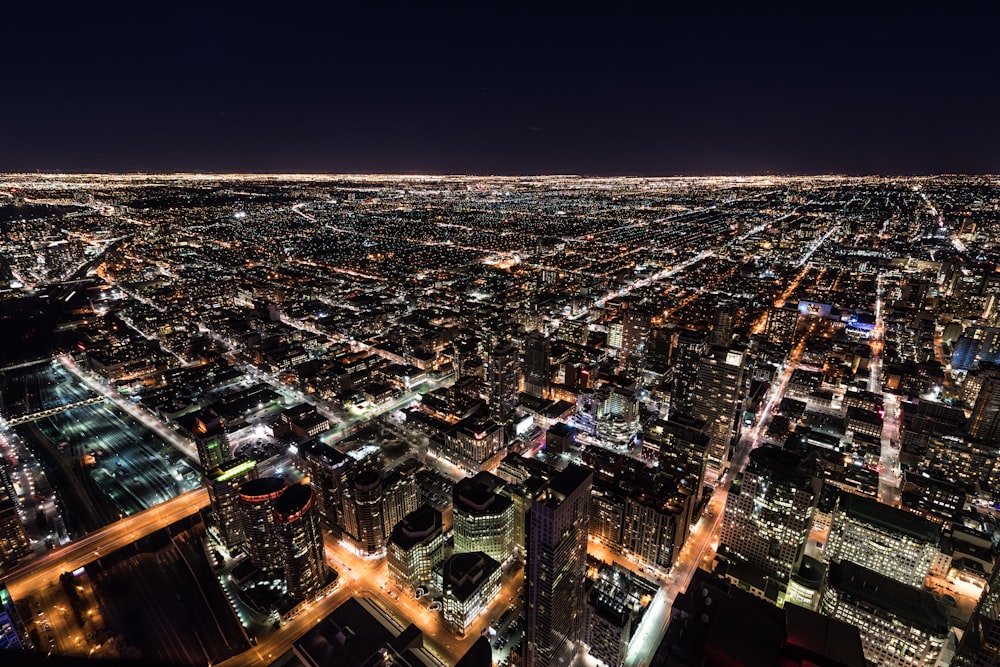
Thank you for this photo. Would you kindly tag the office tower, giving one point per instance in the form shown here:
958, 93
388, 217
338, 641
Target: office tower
400, 496
483, 518
536, 365
555, 570
782, 324
635, 330
471, 582
688, 348
368, 510
224, 493
300, 540
607, 513
893, 542
719, 394
615, 332
723, 323
416, 547
769, 512
502, 380
13, 541
256, 505
985, 422
899, 625
212, 441
331, 474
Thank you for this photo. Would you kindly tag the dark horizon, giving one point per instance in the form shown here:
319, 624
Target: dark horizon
247, 91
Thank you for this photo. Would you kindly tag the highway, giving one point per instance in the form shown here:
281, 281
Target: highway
46, 569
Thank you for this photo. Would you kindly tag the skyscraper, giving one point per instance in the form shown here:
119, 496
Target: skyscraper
723, 323
256, 503
555, 569
536, 364
300, 541
331, 475
416, 546
223, 492
719, 394
368, 509
212, 441
985, 422
688, 348
483, 519
769, 512
502, 383
635, 330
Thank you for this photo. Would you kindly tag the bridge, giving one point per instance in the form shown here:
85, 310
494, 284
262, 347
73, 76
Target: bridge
24, 419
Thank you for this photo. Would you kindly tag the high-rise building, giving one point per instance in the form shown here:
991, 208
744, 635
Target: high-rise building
687, 349
719, 394
368, 510
556, 566
656, 525
483, 519
782, 324
683, 447
899, 625
416, 547
980, 644
724, 323
300, 541
769, 512
331, 474
212, 442
13, 541
893, 542
502, 381
985, 422
635, 330
536, 365
256, 505
224, 493
400, 496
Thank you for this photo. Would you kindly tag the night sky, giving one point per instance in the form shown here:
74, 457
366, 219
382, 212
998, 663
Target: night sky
301, 90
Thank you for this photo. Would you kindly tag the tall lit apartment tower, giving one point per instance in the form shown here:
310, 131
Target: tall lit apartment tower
416, 547
13, 541
212, 442
769, 512
635, 330
331, 474
683, 447
781, 324
723, 323
483, 519
256, 504
502, 383
400, 496
555, 570
985, 422
536, 365
899, 625
719, 394
300, 540
368, 510
893, 542
224, 493
688, 348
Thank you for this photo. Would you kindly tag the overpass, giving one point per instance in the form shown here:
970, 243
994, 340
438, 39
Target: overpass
34, 416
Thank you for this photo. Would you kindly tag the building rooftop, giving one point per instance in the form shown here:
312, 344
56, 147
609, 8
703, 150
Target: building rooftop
465, 573
416, 527
294, 502
889, 518
871, 589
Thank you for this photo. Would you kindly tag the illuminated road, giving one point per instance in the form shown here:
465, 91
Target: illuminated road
46, 570
700, 546
365, 578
